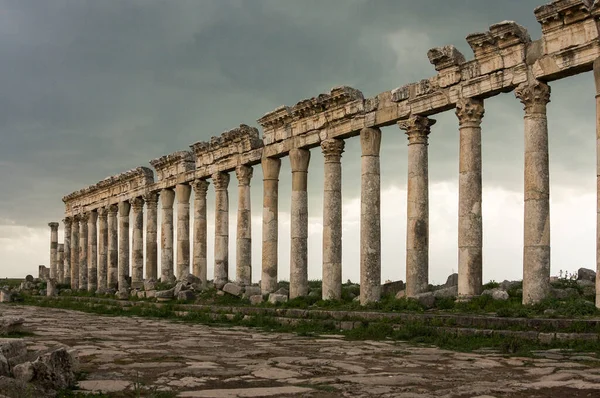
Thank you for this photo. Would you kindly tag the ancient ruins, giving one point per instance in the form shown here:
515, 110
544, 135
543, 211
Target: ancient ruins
96, 250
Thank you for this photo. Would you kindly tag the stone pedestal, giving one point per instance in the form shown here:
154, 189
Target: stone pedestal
92, 274
151, 200
102, 248
182, 193
270, 169
244, 227
60, 266
137, 243
53, 249
67, 265
123, 271
200, 230
332, 219
221, 182
75, 253
535, 96
470, 226
167, 196
370, 216
417, 229
113, 247
597, 81
299, 159
83, 251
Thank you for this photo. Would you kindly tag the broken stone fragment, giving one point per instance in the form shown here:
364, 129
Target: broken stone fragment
250, 291
233, 289
164, 295
256, 299
275, 298
186, 295
497, 294
150, 284
11, 324
586, 274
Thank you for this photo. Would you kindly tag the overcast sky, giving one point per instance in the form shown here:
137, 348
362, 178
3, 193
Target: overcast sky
92, 88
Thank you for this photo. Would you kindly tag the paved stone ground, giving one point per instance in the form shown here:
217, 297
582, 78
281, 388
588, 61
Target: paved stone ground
128, 354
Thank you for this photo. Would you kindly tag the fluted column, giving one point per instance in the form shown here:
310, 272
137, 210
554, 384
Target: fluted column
53, 249
75, 253
597, 81
470, 225
113, 248
221, 182
332, 219
244, 226
167, 196
102, 249
270, 169
535, 96
123, 270
67, 264
151, 200
200, 230
182, 193
60, 266
370, 216
299, 159
137, 243
92, 275
83, 251
417, 226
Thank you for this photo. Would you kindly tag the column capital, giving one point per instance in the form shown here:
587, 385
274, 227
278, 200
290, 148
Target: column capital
92, 216
534, 95
370, 141
137, 203
83, 217
102, 213
151, 198
299, 159
67, 221
124, 208
200, 187
113, 209
182, 192
220, 181
470, 111
167, 196
270, 168
332, 148
417, 128
244, 174
53, 226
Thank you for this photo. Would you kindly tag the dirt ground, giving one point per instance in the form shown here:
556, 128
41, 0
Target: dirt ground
134, 356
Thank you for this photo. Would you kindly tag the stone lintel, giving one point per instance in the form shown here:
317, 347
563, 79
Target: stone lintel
173, 164
554, 15
227, 147
276, 118
445, 57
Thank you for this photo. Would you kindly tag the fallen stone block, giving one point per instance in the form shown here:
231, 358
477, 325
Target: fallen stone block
141, 294
4, 366
233, 289
283, 291
401, 294
12, 348
446, 292
190, 279
586, 274
150, 284
186, 295
150, 293
452, 280
165, 295
11, 324
275, 298
179, 286
122, 295
250, 291
256, 299
426, 299
52, 371
497, 294
390, 288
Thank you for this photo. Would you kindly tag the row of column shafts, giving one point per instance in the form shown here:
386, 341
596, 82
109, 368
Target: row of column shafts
89, 263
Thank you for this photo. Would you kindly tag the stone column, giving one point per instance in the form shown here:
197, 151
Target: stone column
113, 248
67, 265
167, 196
370, 216
182, 193
137, 244
92, 275
102, 249
244, 226
151, 200
332, 219
536, 251
221, 182
83, 251
299, 159
123, 268
417, 226
597, 81
270, 168
75, 254
53, 249
200, 230
470, 226
60, 266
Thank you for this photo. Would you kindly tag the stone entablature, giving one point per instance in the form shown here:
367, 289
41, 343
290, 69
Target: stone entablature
173, 165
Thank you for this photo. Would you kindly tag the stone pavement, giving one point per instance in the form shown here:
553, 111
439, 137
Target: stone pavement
149, 355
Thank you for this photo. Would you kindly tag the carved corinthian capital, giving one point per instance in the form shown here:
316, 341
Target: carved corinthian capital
102, 213
470, 111
244, 174
151, 198
221, 181
417, 128
137, 204
534, 95
67, 221
370, 141
113, 209
332, 149
53, 226
200, 187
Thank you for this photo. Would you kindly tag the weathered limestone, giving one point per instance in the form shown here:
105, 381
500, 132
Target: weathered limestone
92, 268
299, 159
123, 267
53, 248
332, 219
221, 182
102, 248
167, 196
151, 200
597, 82
67, 265
200, 230
60, 266
244, 227
113, 248
137, 243
182, 193
270, 169
417, 229
535, 95
75, 253
83, 251
470, 225
370, 216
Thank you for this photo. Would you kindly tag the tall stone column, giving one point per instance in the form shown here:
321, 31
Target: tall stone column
60, 266
167, 196
332, 219
470, 225
244, 226
102, 249
151, 200
53, 249
417, 226
123, 268
200, 230
182, 193
137, 244
113, 248
92, 275
221, 182
536, 251
270, 169
75, 253
67, 265
597, 81
370, 216
299, 159
83, 251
